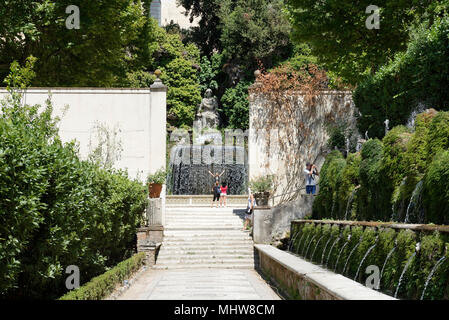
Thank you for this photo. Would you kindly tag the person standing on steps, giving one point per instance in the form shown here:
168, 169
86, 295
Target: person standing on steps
223, 194
217, 175
249, 211
216, 190
311, 174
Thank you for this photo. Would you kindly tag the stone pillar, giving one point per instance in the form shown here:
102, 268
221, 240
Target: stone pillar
158, 131
149, 241
262, 225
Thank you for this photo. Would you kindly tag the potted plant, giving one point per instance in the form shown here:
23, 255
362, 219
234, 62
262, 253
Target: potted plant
155, 182
261, 188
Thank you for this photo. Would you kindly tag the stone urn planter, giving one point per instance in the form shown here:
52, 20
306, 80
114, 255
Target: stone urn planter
154, 190
262, 198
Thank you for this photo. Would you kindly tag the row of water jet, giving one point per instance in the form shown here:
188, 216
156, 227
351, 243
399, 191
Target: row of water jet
332, 248
401, 278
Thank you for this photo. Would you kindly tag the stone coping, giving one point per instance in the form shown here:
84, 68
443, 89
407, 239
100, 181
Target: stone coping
392, 225
336, 285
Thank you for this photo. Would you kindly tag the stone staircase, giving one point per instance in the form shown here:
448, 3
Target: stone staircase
205, 238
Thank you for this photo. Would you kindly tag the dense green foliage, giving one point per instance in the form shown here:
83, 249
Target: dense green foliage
401, 178
342, 249
100, 287
414, 79
97, 54
338, 35
56, 210
236, 105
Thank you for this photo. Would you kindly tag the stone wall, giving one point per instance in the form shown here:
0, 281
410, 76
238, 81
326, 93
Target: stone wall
330, 107
134, 118
301, 280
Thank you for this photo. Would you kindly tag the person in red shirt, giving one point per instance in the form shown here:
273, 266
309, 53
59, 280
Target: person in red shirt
223, 193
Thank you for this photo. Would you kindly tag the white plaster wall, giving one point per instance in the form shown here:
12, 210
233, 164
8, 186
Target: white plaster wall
332, 104
137, 113
171, 11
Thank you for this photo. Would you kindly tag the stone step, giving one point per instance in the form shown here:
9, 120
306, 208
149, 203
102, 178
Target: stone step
237, 245
176, 252
206, 239
241, 265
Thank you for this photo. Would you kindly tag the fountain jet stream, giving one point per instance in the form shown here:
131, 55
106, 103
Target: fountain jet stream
364, 258
307, 240
308, 247
418, 246
429, 278
316, 246
292, 240
350, 200
299, 243
386, 261
350, 254
325, 247
414, 200
341, 251
332, 248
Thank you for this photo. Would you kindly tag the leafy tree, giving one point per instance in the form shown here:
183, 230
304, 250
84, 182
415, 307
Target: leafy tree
57, 210
207, 34
337, 33
236, 105
415, 79
254, 31
97, 54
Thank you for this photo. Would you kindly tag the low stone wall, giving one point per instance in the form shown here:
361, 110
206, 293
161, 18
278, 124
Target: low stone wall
271, 225
301, 280
239, 201
406, 261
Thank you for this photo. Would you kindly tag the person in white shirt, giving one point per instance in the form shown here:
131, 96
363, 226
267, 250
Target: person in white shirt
311, 173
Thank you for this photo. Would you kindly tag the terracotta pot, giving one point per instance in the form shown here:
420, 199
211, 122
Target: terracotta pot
262, 198
155, 189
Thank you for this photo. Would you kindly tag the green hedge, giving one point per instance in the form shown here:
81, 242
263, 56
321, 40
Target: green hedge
342, 248
404, 177
103, 285
414, 79
56, 210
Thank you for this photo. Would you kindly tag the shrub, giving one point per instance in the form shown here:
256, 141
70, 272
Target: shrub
436, 190
236, 105
438, 135
349, 180
324, 202
103, 285
261, 184
56, 209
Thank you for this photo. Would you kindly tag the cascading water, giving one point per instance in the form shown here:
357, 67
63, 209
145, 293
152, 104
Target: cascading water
299, 243
386, 260
332, 248
429, 278
401, 278
305, 242
364, 258
350, 200
316, 246
414, 201
350, 254
341, 251
190, 166
292, 241
308, 247
325, 247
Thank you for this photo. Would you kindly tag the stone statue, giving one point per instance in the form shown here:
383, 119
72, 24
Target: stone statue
207, 115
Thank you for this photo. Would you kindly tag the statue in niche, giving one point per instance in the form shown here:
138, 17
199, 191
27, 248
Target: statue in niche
207, 116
